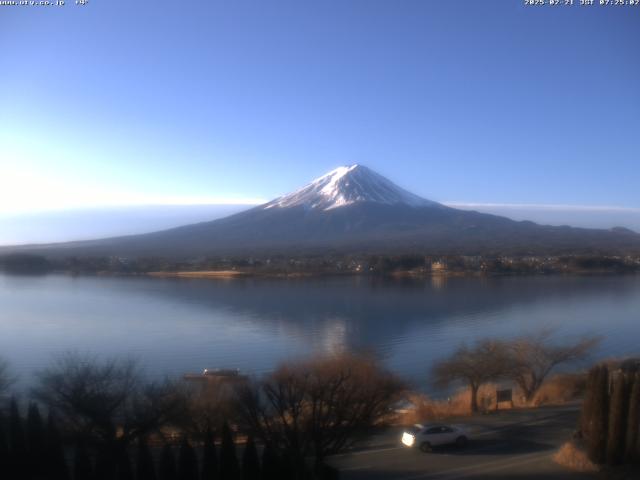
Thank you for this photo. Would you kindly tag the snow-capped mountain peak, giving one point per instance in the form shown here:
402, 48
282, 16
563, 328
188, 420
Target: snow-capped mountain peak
348, 185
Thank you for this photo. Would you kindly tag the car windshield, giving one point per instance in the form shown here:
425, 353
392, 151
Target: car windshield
432, 430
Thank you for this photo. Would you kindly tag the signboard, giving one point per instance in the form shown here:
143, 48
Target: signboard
504, 395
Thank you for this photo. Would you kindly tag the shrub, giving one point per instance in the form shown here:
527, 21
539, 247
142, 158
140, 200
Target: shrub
561, 388
572, 456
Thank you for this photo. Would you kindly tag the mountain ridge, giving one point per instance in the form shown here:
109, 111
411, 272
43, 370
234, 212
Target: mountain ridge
352, 209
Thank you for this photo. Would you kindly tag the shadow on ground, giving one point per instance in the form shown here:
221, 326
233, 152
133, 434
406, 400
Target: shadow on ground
492, 447
560, 475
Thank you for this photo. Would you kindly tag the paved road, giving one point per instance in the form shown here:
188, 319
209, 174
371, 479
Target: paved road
516, 444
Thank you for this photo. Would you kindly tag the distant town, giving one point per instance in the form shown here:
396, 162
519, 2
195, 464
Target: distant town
406, 265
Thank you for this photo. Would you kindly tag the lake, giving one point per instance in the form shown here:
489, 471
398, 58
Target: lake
173, 326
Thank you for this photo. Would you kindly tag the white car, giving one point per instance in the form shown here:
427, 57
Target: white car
426, 437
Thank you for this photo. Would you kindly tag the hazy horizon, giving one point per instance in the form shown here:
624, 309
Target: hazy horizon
103, 222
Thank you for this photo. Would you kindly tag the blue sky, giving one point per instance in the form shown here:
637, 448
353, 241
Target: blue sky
122, 102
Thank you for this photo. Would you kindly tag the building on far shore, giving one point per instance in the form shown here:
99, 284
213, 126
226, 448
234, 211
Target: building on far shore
439, 266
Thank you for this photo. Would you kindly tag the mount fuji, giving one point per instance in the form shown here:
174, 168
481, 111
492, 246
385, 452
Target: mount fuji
347, 186
353, 209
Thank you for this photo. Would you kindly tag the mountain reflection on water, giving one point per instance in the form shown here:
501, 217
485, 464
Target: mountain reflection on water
178, 325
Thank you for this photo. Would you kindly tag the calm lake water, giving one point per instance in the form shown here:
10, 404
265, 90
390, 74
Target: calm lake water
174, 326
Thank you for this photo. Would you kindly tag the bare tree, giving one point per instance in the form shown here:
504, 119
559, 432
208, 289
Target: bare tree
211, 402
107, 401
319, 407
484, 362
154, 406
532, 358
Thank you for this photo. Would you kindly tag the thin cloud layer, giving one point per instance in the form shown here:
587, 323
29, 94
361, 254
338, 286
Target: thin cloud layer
543, 206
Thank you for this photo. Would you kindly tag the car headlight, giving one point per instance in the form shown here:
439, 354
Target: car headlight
408, 439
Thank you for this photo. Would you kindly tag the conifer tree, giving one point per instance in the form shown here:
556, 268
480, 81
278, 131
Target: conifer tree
187, 462
288, 469
124, 471
36, 441
597, 440
56, 463
18, 454
229, 468
145, 469
168, 469
209, 459
617, 420
4, 446
632, 443
82, 466
250, 461
270, 464
105, 463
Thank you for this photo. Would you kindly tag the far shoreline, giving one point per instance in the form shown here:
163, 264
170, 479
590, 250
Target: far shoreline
401, 266
399, 275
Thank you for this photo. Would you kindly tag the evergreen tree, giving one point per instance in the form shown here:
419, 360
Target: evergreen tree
597, 440
36, 441
123, 466
250, 461
4, 446
82, 467
209, 459
105, 463
145, 468
168, 469
632, 443
229, 468
270, 464
56, 463
187, 462
617, 420
18, 454
288, 468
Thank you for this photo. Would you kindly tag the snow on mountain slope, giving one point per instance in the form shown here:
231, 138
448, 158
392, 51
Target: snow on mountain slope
348, 185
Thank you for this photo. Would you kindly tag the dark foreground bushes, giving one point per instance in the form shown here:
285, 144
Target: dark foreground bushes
111, 424
33, 449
